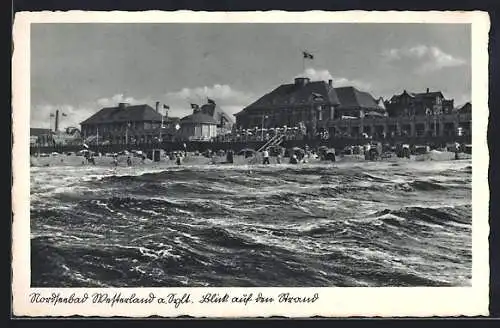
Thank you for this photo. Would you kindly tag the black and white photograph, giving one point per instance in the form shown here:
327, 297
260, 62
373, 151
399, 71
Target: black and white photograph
227, 154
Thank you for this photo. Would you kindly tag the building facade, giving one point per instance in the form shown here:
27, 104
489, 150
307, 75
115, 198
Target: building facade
357, 104
300, 103
41, 137
224, 121
349, 112
419, 104
127, 124
198, 126
454, 124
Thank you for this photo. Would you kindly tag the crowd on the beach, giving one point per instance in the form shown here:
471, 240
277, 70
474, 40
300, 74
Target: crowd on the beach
273, 154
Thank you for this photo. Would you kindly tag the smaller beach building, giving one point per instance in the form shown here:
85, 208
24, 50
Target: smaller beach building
198, 126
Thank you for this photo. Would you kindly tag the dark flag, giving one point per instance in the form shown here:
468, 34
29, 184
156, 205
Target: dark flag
64, 114
307, 55
194, 106
210, 101
52, 115
166, 106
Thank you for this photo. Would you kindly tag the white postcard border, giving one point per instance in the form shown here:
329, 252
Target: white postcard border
331, 302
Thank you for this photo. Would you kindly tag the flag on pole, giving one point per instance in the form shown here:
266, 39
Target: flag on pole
307, 55
166, 106
210, 101
64, 114
195, 106
52, 115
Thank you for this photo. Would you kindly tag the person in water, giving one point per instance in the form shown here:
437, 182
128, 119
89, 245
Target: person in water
278, 158
265, 155
178, 160
129, 161
294, 160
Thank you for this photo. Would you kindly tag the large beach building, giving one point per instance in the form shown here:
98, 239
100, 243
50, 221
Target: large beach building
302, 102
128, 124
349, 112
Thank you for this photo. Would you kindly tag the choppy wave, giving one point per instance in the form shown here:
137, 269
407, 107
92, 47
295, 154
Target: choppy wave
367, 224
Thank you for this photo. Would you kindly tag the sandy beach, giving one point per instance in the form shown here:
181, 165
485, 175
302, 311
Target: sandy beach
193, 159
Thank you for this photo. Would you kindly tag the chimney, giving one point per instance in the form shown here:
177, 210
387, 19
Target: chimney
427, 90
56, 126
157, 106
123, 105
301, 81
330, 82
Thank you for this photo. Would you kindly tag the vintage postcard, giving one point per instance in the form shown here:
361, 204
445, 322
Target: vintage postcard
223, 164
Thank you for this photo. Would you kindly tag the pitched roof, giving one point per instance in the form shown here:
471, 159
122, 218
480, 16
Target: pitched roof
432, 94
198, 118
418, 96
351, 98
39, 131
295, 94
216, 112
131, 113
465, 107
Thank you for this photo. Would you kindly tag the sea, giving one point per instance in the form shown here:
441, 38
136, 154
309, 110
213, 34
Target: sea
309, 225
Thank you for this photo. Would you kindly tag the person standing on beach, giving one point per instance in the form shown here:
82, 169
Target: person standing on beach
265, 155
278, 158
229, 157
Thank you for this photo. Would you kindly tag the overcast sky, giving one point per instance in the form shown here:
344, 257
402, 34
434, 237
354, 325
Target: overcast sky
80, 68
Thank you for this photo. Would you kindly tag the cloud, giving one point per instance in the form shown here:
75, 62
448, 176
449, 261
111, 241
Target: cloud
74, 114
229, 99
428, 58
325, 75
120, 98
